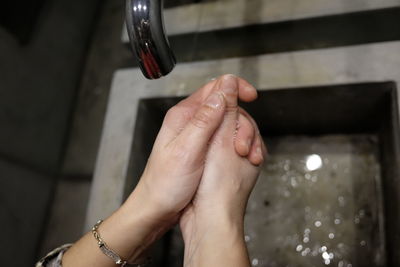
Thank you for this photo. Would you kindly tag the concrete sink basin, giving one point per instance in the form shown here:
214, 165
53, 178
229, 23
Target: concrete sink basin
329, 194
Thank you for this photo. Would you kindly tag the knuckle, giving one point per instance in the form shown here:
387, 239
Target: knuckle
202, 118
231, 109
172, 112
178, 114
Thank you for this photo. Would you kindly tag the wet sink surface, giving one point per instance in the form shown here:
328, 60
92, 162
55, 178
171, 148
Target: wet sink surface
329, 193
317, 202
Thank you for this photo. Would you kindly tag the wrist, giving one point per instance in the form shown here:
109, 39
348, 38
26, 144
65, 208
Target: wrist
202, 226
141, 203
218, 213
127, 234
212, 238
132, 229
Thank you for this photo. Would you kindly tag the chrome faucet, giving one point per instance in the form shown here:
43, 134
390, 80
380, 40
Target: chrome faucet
145, 25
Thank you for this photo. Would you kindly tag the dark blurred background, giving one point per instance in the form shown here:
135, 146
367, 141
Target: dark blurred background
55, 73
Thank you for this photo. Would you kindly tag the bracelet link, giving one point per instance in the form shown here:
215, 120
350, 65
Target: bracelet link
109, 252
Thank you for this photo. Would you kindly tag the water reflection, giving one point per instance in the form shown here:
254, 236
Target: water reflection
313, 162
322, 206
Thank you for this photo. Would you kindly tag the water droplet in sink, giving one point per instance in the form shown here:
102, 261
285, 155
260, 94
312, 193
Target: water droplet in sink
313, 162
254, 262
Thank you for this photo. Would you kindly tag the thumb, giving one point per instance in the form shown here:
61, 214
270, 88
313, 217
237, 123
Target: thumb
198, 131
225, 134
230, 88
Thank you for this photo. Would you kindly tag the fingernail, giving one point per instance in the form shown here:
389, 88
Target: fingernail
229, 84
215, 100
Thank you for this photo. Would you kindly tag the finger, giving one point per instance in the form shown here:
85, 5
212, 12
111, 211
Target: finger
244, 136
257, 132
225, 136
256, 156
180, 114
247, 92
202, 126
189, 105
228, 85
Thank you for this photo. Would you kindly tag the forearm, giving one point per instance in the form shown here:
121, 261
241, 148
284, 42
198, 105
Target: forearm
128, 232
217, 244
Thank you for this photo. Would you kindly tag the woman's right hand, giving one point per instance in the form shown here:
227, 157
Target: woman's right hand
212, 225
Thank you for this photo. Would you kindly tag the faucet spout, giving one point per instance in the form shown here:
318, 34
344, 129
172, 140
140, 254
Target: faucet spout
145, 25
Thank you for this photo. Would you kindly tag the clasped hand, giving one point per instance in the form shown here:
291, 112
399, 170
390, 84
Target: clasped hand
204, 163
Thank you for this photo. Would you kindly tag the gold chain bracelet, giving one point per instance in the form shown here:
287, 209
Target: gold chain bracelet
109, 252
